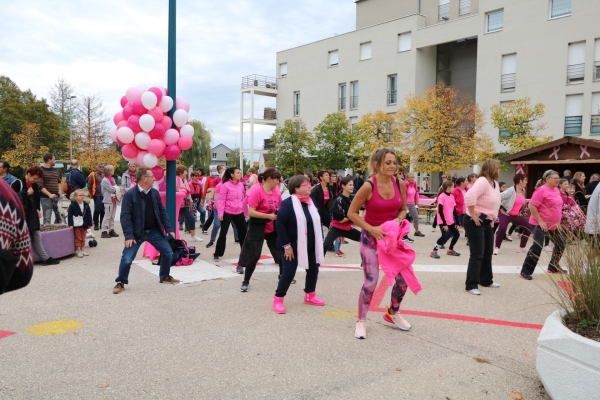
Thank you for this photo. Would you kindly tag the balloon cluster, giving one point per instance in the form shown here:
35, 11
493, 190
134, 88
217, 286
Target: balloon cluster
144, 130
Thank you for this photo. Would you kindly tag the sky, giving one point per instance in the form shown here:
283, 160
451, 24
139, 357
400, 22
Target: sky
104, 47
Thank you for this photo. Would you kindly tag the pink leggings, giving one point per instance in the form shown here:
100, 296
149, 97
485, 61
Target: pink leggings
370, 262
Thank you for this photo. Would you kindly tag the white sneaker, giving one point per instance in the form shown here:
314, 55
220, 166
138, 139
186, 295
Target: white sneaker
494, 285
79, 254
361, 330
548, 249
496, 251
474, 291
195, 239
85, 253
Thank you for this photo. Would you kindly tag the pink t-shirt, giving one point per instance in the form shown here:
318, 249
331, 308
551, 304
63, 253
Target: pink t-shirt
448, 202
265, 203
519, 201
549, 204
412, 193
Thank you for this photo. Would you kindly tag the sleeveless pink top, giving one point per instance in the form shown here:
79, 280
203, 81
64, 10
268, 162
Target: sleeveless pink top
379, 210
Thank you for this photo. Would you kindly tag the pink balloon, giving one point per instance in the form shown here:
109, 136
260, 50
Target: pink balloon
134, 123
164, 90
156, 113
171, 136
157, 147
113, 133
129, 151
123, 101
158, 172
120, 143
156, 90
133, 94
140, 157
121, 124
183, 105
185, 142
138, 108
127, 111
172, 152
157, 132
167, 122
118, 117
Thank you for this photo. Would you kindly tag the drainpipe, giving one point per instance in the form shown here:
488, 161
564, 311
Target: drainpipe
419, 7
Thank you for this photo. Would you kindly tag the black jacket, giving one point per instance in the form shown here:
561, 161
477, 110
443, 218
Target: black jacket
75, 211
340, 207
318, 196
133, 209
286, 225
31, 204
580, 196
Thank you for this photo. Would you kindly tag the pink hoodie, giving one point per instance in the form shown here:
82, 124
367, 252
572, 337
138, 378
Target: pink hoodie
395, 256
231, 198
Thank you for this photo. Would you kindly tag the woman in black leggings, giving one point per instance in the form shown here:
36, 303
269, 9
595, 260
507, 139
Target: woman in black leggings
340, 224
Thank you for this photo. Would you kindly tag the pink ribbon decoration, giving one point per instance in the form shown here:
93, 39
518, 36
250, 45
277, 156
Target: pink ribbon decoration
520, 169
583, 151
555, 153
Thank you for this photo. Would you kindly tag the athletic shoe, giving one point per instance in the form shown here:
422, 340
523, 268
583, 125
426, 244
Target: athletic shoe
406, 239
548, 249
397, 320
210, 244
434, 254
554, 270
419, 234
50, 261
442, 247
119, 287
239, 270
85, 253
494, 285
522, 250
339, 254
236, 240
525, 276
96, 228
105, 235
169, 279
474, 291
361, 330
345, 242
180, 227
508, 238
244, 287
496, 251
112, 233
195, 239
215, 258
452, 253
79, 254
205, 232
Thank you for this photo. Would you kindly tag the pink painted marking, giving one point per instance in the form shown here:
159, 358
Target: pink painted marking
4, 334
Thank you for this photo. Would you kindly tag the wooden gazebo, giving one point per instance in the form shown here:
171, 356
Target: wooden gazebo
570, 153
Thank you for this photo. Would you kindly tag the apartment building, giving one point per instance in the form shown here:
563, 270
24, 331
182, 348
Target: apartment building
494, 50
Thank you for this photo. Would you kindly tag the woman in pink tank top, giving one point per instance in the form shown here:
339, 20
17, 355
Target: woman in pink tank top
384, 198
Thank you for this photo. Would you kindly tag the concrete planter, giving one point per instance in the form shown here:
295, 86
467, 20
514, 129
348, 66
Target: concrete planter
568, 364
58, 244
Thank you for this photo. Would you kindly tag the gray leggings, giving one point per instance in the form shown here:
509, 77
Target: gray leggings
36, 242
414, 213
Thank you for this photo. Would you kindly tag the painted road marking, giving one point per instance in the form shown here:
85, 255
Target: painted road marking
341, 313
50, 328
4, 334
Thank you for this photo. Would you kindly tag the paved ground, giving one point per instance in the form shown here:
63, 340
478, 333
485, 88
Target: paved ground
208, 340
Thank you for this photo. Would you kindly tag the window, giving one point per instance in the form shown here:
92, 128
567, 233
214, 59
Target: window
576, 63
464, 7
283, 70
404, 41
560, 8
444, 10
597, 61
333, 58
226, 155
342, 97
392, 89
296, 104
353, 121
354, 95
573, 115
495, 21
214, 156
595, 123
509, 72
365, 51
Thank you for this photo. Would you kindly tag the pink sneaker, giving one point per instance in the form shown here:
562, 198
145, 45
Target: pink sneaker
312, 299
397, 320
522, 250
361, 330
339, 254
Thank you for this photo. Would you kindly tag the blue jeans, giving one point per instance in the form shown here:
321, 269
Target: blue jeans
337, 244
157, 239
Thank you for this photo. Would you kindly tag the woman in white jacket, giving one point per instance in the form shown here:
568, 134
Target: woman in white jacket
592, 223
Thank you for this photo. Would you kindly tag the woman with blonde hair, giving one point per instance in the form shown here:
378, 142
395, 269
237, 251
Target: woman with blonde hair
483, 203
109, 199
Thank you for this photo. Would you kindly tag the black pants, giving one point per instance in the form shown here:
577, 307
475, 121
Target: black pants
240, 223
289, 271
335, 233
481, 246
209, 221
252, 248
533, 255
452, 230
98, 211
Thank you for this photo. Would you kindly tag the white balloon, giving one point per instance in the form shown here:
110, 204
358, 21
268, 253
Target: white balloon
142, 87
113, 133
125, 134
187, 130
142, 139
180, 117
149, 100
147, 122
150, 160
166, 104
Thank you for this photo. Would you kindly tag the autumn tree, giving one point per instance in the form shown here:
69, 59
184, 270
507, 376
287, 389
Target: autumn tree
233, 160
442, 130
199, 155
519, 123
372, 132
334, 142
290, 152
24, 153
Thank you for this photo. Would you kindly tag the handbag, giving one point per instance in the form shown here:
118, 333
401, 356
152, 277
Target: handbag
77, 221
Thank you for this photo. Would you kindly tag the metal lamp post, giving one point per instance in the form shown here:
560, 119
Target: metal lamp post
171, 82
71, 124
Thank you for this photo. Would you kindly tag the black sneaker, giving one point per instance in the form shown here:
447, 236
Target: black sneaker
96, 228
554, 270
239, 270
525, 276
50, 261
237, 240
406, 239
434, 254
215, 258
210, 244
244, 287
419, 234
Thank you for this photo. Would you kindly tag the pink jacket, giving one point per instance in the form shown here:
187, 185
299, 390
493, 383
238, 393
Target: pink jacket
231, 198
395, 256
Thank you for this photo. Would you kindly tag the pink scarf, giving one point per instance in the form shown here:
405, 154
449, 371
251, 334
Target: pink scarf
302, 233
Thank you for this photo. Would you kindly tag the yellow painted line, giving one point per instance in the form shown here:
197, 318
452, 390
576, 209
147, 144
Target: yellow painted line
341, 313
50, 328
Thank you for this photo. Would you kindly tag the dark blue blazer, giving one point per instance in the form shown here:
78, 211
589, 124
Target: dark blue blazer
133, 211
75, 210
286, 224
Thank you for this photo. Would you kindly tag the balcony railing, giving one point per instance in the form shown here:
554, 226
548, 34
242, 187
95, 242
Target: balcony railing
575, 73
392, 97
573, 126
353, 102
444, 12
464, 7
296, 110
597, 71
259, 81
342, 103
270, 113
595, 124
509, 82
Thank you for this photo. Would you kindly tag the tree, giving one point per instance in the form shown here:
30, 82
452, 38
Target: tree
61, 103
290, 152
372, 132
233, 160
520, 123
199, 154
24, 154
334, 142
442, 131
18, 107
